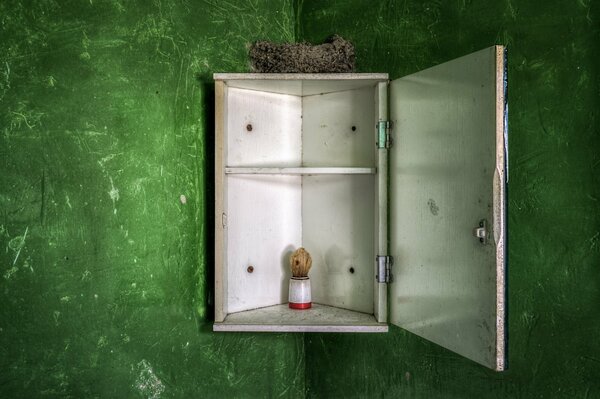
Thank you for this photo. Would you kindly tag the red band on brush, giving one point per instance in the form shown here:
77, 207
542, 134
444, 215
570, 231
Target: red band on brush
300, 305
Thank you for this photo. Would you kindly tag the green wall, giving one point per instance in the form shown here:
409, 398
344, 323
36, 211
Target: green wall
106, 120
554, 197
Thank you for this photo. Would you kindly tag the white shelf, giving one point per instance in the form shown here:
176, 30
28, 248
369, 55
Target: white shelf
319, 318
300, 171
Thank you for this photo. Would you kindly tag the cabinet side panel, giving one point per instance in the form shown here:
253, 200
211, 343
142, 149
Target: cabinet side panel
381, 210
338, 230
500, 225
264, 227
220, 280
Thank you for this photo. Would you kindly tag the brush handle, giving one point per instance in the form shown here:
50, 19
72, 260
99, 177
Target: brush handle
300, 296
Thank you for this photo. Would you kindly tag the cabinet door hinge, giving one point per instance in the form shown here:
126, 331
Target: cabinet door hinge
384, 134
384, 268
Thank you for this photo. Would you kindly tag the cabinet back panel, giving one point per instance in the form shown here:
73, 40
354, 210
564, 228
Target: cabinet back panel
338, 129
263, 129
338, 230
264, 227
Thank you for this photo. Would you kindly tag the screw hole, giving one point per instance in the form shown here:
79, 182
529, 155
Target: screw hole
351, 270
250, 269
353, 128
249, 127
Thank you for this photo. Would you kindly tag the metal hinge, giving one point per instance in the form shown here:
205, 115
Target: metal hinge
384, 135
384, 268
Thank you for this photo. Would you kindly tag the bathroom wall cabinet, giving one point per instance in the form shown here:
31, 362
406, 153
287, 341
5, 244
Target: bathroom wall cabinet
396, 188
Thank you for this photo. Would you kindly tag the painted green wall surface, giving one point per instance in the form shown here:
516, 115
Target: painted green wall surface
106, 122
106, 126
554, 197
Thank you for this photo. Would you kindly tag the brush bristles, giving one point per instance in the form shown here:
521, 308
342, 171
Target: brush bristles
300, 262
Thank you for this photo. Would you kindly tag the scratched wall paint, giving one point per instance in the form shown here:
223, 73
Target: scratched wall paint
105, 177
554, 197
104, 186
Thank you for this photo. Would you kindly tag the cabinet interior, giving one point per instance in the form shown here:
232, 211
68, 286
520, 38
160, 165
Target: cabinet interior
299, 168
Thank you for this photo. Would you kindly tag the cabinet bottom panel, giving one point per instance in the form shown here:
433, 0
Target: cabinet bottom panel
319, 318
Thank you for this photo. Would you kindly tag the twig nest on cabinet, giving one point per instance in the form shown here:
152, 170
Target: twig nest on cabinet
336, 55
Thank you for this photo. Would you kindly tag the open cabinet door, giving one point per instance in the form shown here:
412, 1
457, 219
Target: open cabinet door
448, 205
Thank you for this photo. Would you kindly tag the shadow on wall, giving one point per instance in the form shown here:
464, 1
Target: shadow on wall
207, 279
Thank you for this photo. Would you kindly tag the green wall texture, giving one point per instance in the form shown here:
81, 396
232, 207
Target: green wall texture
554, 197
106, 122
106, 119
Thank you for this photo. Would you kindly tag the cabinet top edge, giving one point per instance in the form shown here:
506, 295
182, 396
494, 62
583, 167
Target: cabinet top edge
301, 76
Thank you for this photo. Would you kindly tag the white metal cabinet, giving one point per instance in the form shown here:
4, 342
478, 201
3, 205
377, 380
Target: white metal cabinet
319, 160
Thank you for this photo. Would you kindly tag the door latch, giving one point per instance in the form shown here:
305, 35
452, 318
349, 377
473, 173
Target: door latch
481, 231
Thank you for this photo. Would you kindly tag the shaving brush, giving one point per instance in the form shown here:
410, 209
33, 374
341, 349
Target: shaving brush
300, 263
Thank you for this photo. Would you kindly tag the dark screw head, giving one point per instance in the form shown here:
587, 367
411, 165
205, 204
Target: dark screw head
351, 270
249, 127
250, 269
